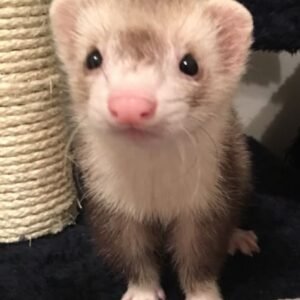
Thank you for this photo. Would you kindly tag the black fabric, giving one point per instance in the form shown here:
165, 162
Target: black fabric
65, 267
293, 153
277, 24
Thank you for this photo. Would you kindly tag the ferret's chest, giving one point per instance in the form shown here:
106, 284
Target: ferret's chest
158, 185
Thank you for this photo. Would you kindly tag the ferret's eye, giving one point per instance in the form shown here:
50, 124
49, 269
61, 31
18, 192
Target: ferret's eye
188, 65
94, 60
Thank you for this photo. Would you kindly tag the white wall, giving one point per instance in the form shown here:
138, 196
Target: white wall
269, 99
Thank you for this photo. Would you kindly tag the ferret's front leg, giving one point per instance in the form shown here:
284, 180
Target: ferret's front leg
137, 244
129, 246
199, 248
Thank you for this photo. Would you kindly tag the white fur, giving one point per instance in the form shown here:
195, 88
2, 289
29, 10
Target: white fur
211, 292
160, 178
135, 292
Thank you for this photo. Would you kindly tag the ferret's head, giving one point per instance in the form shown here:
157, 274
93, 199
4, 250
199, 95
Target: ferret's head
151, 66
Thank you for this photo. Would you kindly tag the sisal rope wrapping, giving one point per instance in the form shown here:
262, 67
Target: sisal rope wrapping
37, 194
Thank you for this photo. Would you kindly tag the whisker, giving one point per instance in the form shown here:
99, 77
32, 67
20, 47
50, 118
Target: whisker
105, 76
211, 140
70, 158
68, 155
185, 99
194, 144
196, 163
182, 154
181, 151
81, 199
179, 99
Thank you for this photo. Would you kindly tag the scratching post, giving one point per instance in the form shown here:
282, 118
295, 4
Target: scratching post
37, 194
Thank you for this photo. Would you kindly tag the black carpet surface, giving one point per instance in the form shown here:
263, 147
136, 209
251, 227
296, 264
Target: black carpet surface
65, 267
277, 24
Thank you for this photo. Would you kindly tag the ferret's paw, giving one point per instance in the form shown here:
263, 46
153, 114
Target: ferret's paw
207, 295
144, 293
244, 241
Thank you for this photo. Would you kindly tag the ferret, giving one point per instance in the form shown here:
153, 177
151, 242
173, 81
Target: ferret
159, 143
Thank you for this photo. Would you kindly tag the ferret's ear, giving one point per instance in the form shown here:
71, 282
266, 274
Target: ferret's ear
234, 25
63, 17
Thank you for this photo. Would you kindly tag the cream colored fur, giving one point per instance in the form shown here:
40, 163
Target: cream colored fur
161, 179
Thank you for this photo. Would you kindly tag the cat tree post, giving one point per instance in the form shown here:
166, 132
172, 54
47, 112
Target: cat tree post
37, 194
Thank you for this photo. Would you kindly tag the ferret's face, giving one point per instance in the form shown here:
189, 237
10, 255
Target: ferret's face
151, 67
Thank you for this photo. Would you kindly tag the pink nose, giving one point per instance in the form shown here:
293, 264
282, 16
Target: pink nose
132, 108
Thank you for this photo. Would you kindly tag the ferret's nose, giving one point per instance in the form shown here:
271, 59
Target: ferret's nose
131, 108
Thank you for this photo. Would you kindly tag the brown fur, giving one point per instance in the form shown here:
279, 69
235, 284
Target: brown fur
126, 244
141, 46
